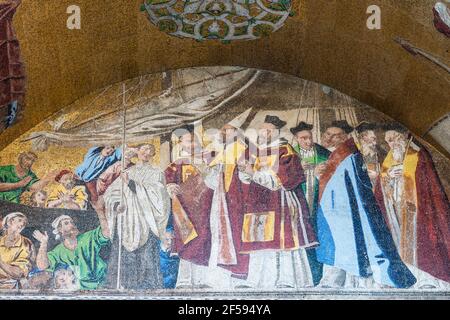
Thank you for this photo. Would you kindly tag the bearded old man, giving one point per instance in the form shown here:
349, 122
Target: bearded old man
367, 141
416, 208
138, 209
354, 239
276, 228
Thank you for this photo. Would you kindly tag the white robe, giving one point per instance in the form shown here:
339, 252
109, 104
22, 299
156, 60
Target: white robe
147, 210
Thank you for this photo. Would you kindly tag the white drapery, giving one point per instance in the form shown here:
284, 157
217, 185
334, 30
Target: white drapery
194, 94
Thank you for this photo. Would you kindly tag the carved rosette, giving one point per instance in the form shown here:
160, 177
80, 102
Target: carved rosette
224, 20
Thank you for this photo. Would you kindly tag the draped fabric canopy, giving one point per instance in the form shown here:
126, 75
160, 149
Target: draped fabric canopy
190, 95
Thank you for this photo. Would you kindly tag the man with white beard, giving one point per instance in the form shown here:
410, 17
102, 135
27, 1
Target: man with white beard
368, 147
276, 228
356, 247
416, 208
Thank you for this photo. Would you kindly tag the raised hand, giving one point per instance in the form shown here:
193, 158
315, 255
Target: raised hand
41, 237
125, 177
320, 169
395, 172
173, 190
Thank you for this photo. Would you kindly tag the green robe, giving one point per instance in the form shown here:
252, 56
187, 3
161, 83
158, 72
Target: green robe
320, 155
8, 175
85, 260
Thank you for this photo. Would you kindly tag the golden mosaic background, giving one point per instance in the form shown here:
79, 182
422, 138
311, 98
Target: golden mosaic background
326, 41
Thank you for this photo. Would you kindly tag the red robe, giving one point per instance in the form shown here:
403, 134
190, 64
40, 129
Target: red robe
433, 219
235, 202
282, 232
197, 250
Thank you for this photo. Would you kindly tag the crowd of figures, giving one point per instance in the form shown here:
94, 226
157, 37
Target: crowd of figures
266, 215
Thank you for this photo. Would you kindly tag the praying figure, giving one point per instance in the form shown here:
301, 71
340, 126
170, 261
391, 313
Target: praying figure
66, 194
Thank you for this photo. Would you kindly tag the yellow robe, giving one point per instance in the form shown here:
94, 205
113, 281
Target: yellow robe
405, 205
78, 192
19, 255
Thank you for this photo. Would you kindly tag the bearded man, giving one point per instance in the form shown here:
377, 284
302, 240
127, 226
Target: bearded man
80, 251
355, 242
416, 208
16, 179
368, 146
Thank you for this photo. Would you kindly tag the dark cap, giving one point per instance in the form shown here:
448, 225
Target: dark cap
342, 124
394, 126
277, 122
302, 126
365, 126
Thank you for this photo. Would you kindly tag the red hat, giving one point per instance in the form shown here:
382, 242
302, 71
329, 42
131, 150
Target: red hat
61, 174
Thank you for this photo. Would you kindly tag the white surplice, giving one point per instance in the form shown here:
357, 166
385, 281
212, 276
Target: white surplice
147, 209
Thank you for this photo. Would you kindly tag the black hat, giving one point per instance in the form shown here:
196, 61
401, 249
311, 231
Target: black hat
302, 126
181, 131
342, 124
277, 122
394, 126
365, 126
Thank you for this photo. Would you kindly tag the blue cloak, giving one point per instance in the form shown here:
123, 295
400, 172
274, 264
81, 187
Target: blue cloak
352, 233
